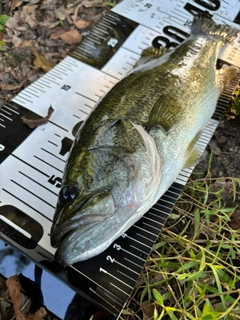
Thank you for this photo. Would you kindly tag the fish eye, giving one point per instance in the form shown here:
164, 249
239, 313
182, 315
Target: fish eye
68, 194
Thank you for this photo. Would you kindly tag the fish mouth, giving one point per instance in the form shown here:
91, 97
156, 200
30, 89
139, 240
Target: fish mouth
69, 250
67, 230
70, 229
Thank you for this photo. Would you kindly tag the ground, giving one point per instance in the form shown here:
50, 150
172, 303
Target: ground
37, 34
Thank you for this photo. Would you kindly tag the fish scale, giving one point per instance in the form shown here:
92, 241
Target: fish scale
32, 163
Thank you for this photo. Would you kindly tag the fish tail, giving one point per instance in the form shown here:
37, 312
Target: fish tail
203, 24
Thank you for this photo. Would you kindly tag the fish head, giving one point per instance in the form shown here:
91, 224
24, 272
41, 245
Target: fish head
106, 188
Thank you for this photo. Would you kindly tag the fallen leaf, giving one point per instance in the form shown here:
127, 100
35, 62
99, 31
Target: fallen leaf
57, 33
10, 87
38, 315
61, 13
33, 123
81, 24
148, 310
71, 37
31, 21
40, 62
235, 220
88, 4
215, 148
5, 305
15, 4
28, 14
21, 303
16, 41
11, 23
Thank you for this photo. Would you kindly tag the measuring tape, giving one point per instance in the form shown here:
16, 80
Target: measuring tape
32, 160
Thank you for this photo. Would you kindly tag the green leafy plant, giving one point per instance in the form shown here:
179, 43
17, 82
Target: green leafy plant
3, 20
236, 101
110, 4
191, 272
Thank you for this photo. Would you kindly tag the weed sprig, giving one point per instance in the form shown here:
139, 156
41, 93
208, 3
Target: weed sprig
193, 271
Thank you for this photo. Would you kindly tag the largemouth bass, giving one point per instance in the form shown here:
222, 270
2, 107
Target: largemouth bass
135, 142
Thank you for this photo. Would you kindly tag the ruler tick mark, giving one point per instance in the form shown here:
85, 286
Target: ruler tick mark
48, 163
55, 124
32, 193
84, 112
7, 112
130, 261
25, 175
6, 117
139, 250
80, 94
46, 175
111, 275
119, 289
52, 154
100, 296
125, 275
144, 244
56, 145
14, 196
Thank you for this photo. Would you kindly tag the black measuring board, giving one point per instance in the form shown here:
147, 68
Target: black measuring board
10, 114
32, 160
105, 40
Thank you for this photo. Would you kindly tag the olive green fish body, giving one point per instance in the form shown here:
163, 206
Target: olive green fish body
135, 142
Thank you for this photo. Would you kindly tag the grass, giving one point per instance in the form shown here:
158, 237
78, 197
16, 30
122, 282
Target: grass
193, 270
3, 20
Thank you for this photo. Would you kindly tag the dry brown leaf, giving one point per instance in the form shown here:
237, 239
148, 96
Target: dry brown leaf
5, 305
11, 23
39, 315
16, 41
61, 13
21, 28
33, 123
71, 37
148, 310
81, 24
40, 62
57, 33
28, 14
88, 4
10, 87
21, 303
15, 4
215, 148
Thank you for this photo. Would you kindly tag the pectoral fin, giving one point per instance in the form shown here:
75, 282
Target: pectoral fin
192, 153
225, 75
164, 113
192, 158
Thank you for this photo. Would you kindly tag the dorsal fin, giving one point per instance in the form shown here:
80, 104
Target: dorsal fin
150, 54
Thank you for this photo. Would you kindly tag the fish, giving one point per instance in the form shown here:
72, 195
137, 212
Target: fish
136, 140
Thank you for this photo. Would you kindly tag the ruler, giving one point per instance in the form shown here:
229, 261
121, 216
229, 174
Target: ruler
32, 160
